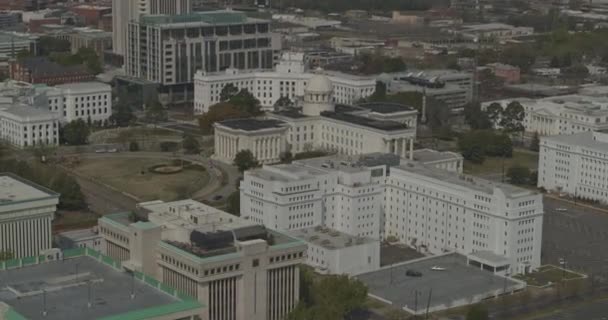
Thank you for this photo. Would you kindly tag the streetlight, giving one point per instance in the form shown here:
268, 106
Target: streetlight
504, 285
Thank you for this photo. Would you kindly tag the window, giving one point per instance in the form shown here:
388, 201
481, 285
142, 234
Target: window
256, 263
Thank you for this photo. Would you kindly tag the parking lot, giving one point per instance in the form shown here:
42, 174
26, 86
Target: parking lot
578, 234
457, 285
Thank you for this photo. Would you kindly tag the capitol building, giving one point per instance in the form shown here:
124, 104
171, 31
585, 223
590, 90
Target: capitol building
320, 124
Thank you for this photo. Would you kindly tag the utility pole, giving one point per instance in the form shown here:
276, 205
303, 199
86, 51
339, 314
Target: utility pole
428, 304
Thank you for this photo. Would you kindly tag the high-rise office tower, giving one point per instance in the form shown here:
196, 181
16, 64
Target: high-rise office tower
124, 11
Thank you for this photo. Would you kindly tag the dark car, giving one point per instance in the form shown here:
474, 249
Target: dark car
217, 198
413, 273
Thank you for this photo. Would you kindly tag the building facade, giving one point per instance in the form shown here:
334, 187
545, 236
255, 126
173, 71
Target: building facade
125, 11
451, 87
89, 101
95, 39
237, 269
289, 79
562, 115
321, 124
430, 209
26, 213
334, 252
42, 70
12, 43
575, 164
24, 126
170, 49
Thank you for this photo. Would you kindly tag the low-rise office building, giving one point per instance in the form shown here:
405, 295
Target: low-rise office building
334, 252
83, 238
26, 213
575, 164
236, 268
451, 87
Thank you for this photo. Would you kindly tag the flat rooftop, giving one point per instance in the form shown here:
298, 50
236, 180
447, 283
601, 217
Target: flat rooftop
467, 181
220, 17
252, 124
16, 189
84, 86
588, 139
430, 155
386, 107
458, 283
329, 238
365, 122
66, 283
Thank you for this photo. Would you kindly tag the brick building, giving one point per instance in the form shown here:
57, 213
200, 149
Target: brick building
91, 14
42, 70
509, 73
35, 25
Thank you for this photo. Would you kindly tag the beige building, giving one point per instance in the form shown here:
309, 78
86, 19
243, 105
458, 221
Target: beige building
238, 269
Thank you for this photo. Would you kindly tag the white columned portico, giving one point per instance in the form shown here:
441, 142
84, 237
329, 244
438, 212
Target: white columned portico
411, 149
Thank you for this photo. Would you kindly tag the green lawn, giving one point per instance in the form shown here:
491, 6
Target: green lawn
494, 165
547, 274
131, 175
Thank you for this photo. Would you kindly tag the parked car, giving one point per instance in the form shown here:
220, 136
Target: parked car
437, 268
561, 209
217, 197
413, 273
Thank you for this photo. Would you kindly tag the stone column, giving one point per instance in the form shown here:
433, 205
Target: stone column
412, 149
403, 148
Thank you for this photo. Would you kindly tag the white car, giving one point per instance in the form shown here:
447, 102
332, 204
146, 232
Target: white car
561, 209
437, 268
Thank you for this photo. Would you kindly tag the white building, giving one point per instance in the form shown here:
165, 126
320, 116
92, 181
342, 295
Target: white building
25, 126
334, 252
289, 79
374, 127
575, 164
237, 269
83, 100
566, 114
14, 42
26, 213
83, 238
124, 11
430, 209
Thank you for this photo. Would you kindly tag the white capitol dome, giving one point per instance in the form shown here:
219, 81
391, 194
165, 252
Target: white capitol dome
320, 84
318, 96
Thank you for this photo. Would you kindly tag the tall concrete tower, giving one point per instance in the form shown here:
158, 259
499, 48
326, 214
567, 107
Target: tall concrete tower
124, 11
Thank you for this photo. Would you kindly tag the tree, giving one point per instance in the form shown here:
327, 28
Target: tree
76, 133
513, 117
477, 144
286, 157
48, 45
282, 103
246, 102
533, 180
245, 160
228, 91
155, 112
535, 144
71, 196
6, 255
518, 174
477, 312
190, 144
133, 146
122, 115
333, 297
233, 203
477, 119
494, 113
379, 93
